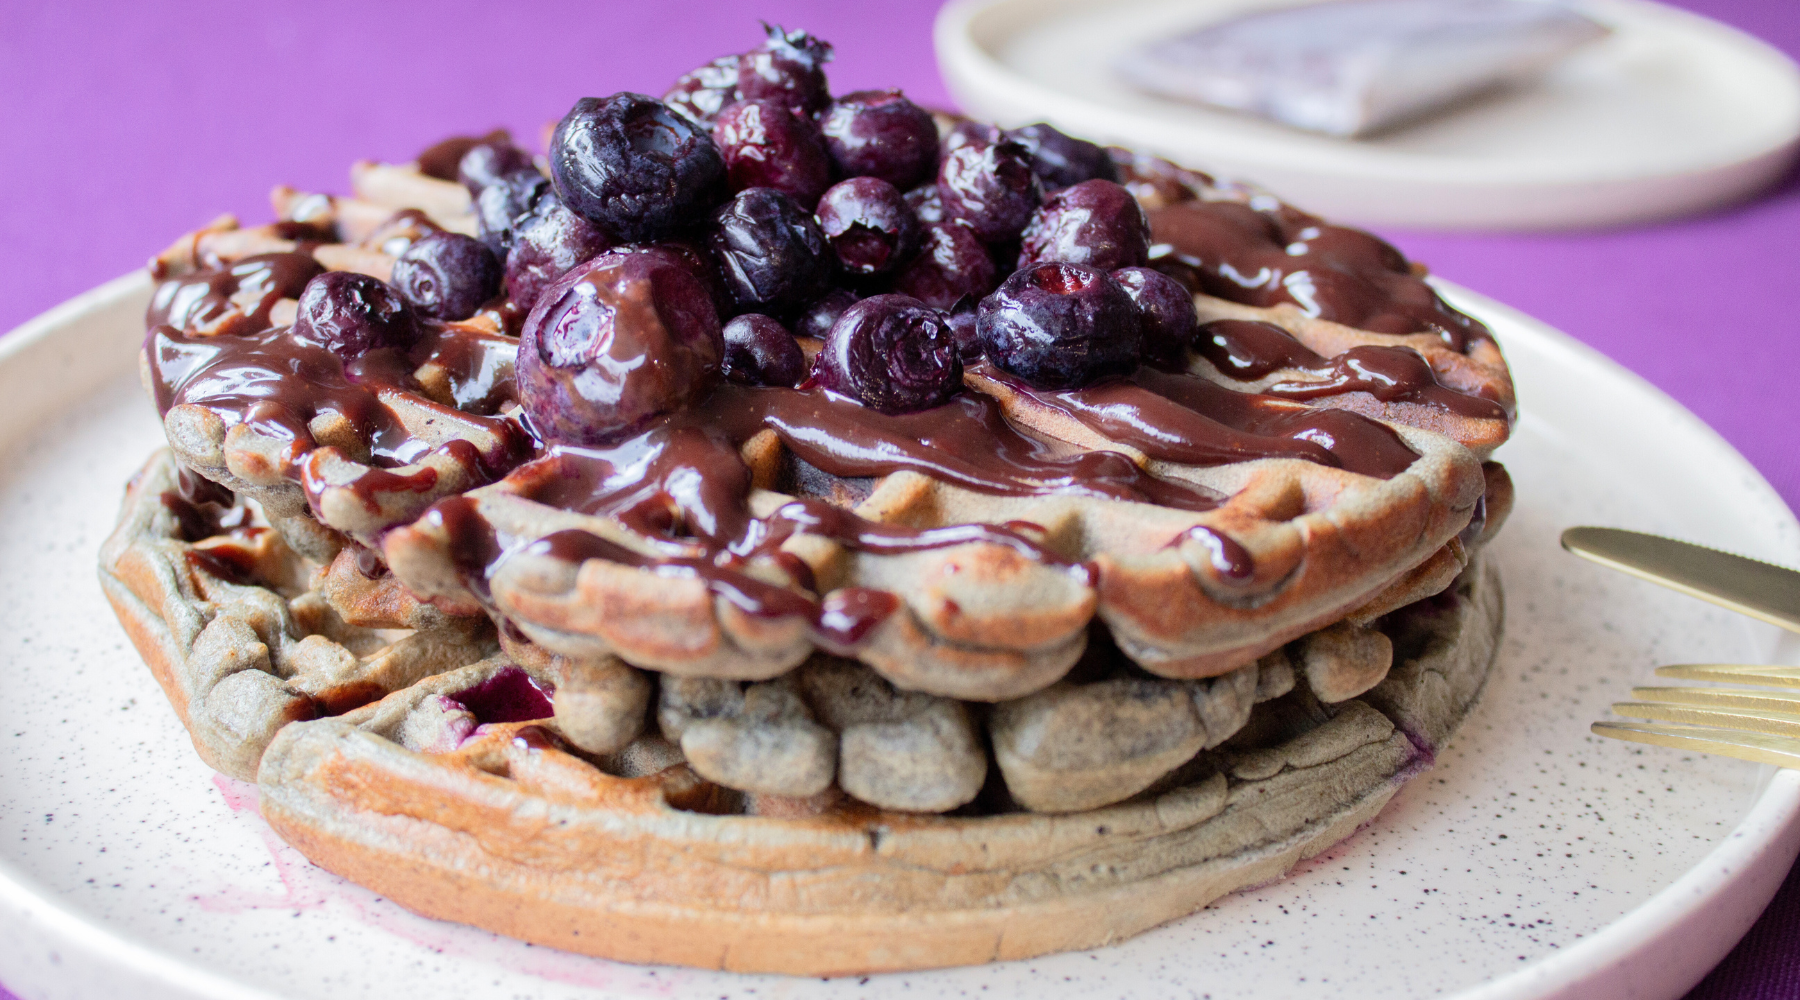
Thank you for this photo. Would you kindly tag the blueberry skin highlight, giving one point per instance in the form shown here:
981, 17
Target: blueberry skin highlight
634, 167
1060, 326
869, 225
447, 276
1166, 307
769, 252
1095, 223
760, 351
547, 243
892, 353
879, 133
351, 314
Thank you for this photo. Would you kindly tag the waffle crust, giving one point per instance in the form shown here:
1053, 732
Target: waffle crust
537, 844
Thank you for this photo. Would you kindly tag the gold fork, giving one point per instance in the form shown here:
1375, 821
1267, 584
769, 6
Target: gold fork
1749, 723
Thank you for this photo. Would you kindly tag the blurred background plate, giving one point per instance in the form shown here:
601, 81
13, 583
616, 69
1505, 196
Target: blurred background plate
1673, 114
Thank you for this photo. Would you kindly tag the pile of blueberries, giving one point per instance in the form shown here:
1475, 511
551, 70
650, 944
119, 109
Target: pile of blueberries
749, 195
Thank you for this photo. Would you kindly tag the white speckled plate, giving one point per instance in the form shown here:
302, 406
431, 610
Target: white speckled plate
1534, 861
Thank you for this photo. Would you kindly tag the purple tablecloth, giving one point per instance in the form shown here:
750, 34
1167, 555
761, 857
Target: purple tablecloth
128, 124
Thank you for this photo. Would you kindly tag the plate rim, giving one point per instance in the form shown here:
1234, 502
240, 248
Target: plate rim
1736, 879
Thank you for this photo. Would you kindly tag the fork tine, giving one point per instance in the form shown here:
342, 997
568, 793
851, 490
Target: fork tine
1745, 720
1748, 673
1767, 701
1757, 747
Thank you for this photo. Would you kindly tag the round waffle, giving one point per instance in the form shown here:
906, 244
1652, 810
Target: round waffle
805, 676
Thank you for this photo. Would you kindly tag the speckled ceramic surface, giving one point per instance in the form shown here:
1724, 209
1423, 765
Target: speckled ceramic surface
1534, 861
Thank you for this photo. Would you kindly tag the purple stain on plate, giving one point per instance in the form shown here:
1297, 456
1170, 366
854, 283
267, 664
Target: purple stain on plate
508, 696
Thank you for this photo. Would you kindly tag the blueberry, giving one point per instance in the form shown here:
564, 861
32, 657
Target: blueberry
989, 186
891, 352
352, 314
816, 320
879, 133
769, 251
612, 344
1167, 310
1097, 223
760, 351
952, 262
788, 68
486, 162
869, 225
766, 146
634, 167
968, 132
1060, 326
1061, 161
925, 203
703, 93
499, 206
548, 243
966, 329
698, 263
447, 276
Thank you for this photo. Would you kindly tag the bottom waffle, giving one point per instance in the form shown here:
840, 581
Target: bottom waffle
821, 823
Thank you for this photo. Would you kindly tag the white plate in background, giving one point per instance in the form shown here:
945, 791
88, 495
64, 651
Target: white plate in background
1672, 114
1534, 861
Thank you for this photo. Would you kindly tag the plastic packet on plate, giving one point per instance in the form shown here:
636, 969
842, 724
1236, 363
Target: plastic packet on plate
1355, 67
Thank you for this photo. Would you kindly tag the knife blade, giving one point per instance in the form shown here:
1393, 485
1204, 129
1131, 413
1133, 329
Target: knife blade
1748, 586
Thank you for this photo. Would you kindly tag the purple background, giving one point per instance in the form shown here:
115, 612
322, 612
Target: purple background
128, 124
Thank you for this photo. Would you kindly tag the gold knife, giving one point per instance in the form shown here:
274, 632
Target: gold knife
1748, 586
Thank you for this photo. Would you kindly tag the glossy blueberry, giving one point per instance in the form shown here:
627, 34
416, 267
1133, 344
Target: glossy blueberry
989, 186
952, 262
501, 204
869, 225
702, 93
879, 133
1097, 223
487, 162
1062, 161
769, 252
817, 319
1167, 311
635, 168
447, 276
352, 314
891, 352
788, 68
615, 342
764, 145
968, 132
965, 327
760, 351
547, 244
1060, 326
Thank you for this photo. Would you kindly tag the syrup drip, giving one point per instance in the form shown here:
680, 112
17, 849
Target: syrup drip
1275, 254
279, 385
1187, 419
1250, 351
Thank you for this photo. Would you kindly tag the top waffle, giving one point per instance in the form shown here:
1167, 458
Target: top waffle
562, 456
